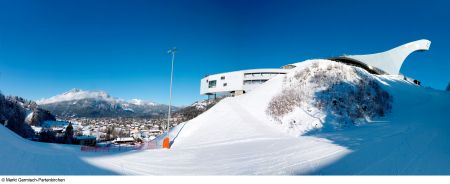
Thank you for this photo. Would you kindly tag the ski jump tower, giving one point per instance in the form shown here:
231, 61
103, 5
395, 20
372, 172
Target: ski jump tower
388, 62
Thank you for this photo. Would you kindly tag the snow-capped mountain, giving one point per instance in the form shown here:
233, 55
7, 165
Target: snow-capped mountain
77, 94
140, 102
84, 103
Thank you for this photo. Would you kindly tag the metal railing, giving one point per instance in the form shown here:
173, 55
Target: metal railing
120, 148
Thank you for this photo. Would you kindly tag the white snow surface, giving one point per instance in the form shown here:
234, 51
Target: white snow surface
29, 116
236, 137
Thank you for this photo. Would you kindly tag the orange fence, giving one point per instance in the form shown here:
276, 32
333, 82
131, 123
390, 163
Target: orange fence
117, 148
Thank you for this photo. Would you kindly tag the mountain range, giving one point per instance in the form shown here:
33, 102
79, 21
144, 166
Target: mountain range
85, 103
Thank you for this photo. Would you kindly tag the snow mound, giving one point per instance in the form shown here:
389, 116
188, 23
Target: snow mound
330, 92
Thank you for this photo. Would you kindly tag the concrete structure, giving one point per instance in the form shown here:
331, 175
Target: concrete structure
388, 62
238, 82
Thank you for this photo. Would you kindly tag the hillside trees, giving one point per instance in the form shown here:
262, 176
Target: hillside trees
13, 113
345, 95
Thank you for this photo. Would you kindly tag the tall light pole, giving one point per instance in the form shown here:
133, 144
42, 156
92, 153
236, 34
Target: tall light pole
166, 142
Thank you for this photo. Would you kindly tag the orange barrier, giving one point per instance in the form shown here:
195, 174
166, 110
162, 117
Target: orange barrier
166, 143
94, 149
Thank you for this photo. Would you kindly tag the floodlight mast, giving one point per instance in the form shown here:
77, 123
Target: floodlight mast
170, 51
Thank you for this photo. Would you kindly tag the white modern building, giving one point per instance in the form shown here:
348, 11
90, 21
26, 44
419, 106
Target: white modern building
238, 82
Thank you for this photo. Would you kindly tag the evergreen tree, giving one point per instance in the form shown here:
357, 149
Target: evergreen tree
47, 135
68, 134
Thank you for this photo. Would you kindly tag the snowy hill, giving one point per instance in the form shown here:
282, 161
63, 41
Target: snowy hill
242, 135
81, 103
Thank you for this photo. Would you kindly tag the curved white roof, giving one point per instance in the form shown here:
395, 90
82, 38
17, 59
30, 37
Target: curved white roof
391, 61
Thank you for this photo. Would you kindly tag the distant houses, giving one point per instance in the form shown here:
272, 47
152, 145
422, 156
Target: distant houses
55, 132
58, 127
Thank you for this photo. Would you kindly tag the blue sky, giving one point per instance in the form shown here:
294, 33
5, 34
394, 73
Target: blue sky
51, 46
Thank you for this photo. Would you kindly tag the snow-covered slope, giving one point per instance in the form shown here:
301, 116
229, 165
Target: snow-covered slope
237, 136
21, 156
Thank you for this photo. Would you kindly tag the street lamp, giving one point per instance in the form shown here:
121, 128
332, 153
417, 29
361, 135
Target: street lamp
166, 142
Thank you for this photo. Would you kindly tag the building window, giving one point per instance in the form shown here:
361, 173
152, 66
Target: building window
222, 78
225, 84
212, 84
